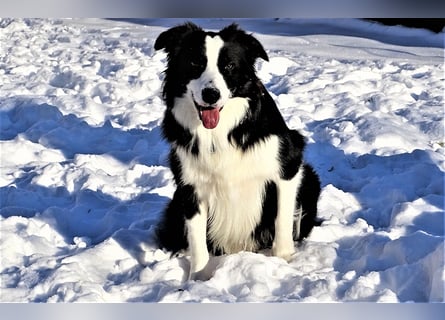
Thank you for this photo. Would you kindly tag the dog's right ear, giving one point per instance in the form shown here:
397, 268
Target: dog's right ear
170, 39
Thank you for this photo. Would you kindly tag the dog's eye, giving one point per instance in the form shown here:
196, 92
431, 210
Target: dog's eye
229, 67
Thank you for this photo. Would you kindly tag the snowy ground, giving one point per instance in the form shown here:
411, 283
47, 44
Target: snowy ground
83, 173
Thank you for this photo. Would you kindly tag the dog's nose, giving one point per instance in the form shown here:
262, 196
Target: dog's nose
210, 95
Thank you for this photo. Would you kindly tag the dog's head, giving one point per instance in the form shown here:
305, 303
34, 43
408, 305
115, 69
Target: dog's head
209, 68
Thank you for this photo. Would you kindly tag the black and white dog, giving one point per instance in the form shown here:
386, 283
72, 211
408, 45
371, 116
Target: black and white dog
239, 171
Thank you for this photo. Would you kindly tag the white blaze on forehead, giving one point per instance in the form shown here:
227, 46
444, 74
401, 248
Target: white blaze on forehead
213, 47
211, 76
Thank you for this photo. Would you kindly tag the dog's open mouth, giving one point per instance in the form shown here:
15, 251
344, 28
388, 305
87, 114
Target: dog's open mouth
209, 115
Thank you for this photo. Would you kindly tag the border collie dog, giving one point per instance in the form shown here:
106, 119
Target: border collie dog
239, 172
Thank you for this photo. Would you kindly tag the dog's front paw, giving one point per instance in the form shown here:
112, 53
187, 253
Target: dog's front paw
284, 252
202, 275
207, 271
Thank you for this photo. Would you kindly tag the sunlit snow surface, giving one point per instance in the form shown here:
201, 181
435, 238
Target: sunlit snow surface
84, 176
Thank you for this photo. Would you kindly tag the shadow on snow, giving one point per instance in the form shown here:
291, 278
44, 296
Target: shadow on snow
380, 185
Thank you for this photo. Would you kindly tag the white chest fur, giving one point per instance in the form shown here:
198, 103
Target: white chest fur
230, 185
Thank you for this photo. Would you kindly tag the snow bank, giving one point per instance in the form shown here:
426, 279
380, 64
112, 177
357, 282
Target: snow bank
83, 172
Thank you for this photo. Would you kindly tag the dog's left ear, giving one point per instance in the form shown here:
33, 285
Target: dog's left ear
234, 33
170, 39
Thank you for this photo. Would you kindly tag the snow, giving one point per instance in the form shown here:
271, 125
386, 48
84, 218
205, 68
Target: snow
84, 177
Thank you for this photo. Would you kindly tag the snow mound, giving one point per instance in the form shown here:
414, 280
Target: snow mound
84, 177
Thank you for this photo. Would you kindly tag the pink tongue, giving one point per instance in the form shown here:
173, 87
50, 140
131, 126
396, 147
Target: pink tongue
210, 118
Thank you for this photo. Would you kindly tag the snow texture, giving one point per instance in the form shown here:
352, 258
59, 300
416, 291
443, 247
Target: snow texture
84, 177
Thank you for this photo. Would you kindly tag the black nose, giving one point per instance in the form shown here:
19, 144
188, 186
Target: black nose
210, 95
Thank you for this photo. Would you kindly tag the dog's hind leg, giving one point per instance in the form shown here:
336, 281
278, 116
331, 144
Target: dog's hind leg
308, 195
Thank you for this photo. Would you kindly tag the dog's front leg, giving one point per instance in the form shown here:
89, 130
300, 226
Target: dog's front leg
283, 244
197, 235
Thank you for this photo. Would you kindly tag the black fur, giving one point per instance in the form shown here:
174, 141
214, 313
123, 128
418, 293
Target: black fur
184, 45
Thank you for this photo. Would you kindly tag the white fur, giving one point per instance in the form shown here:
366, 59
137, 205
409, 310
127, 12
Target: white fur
211, 77
228, 181
283, 244
196, 236
231, 183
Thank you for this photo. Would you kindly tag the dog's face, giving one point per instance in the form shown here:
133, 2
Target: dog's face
208, 68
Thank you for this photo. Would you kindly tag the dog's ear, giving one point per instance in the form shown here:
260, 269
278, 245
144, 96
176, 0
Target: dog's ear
234, 33
170, 39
